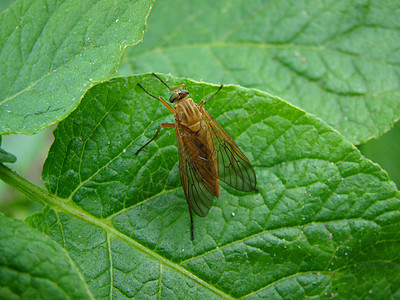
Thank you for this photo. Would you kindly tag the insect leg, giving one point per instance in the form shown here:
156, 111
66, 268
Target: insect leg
191, 223
204, 101
178, 86
158, 98
155, 136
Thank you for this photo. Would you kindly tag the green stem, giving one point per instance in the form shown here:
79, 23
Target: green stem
26, 187
38, 194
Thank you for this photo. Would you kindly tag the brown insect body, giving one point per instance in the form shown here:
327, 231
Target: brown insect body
207, 154
195, 140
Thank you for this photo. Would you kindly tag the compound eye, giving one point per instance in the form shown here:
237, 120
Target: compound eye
184, 93
174, 97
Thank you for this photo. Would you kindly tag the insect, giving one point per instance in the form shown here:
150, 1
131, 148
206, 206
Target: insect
207, 154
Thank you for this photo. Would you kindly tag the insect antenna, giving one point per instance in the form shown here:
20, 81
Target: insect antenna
146, 91
162, 81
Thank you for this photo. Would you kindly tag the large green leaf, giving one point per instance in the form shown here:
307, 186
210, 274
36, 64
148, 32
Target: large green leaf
324, 222
33, 266
51, 52
336, 59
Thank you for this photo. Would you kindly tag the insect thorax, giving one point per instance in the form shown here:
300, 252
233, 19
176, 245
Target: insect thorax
189, 114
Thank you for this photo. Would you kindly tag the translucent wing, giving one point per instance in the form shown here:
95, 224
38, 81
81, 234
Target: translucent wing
198, 168
233, 166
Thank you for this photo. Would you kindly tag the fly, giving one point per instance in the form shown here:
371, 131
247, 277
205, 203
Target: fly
207, 154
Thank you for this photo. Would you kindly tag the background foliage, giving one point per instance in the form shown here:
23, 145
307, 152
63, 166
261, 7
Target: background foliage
332, 58
325, 220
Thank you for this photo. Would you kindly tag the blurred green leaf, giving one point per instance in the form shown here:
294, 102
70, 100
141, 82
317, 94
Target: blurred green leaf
32, 266
385, 151
31, 151
336, 59
52, 52
5, 156
5, 4
325, 221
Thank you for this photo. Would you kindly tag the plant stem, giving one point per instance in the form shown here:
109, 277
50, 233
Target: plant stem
26, 187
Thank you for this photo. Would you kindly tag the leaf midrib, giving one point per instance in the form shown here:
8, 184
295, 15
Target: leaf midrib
70, 207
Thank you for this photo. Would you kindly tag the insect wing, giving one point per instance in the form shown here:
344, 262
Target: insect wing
233, 166
198, 175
